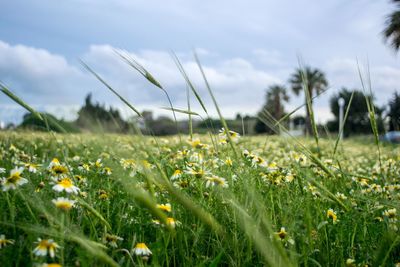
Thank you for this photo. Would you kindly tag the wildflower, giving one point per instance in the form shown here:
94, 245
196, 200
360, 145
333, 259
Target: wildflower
341, 196
391, 213
4, 241
350, 262
66, 185
54, 162
31, 167
84, 167
234, 136
331, 214
142, 250
51, 265
215, 180
228, 161
98, 163
197, 144
2, 170
45, 246
63, 203
14, 180
59, 170
165, 207
282, 233
177, 174
112, 240
103, 195
107, 171
171, 222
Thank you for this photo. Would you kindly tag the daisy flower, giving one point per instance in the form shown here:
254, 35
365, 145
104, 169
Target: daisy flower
46, 246
216, 181
14, 180
331, 214
51, 265
282, 233
66, 185
63, 203
4, 241
112, 240
142, 250
177, 174
164, 207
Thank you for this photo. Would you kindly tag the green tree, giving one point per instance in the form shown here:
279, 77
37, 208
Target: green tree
394, 113
391, 31
358, 121
275, 97
95, 117
315, 82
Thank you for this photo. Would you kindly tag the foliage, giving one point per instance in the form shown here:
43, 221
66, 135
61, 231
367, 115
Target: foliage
275, 97
358, 121
32, 122
272, 206
391, 32
311, 80
95, 118
394, 112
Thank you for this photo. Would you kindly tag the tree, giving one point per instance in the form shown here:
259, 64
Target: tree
275, 96
391, 31
358, 121
31, 122
96, 117
314, 81
394, 113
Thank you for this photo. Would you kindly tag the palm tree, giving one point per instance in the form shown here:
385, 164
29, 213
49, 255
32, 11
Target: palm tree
276, 95
391, 32
315, 82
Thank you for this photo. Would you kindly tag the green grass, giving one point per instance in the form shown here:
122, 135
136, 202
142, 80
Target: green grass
218, 226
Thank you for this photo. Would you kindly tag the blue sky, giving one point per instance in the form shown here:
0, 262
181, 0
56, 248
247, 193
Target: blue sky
245, 46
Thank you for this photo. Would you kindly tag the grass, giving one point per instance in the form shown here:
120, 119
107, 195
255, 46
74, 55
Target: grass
270, 187
198, 200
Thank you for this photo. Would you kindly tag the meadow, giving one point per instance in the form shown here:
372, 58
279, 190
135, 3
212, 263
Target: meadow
207, 200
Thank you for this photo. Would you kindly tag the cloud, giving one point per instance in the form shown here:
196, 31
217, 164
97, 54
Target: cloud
45, 79
51, 82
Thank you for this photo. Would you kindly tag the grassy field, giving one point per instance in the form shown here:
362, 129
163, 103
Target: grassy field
112, 200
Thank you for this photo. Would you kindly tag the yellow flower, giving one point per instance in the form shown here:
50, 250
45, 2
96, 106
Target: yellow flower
107, 171
66, 185
390, 213
215, 180
171, 222
165, 207
59, 169
331, 214
282, 233
112, 240
45, 246
142, 250
63, 203
228, 162
4, 241
14, 180
177, 173
51, 265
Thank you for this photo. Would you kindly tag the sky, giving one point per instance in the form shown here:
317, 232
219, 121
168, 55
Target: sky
244, 47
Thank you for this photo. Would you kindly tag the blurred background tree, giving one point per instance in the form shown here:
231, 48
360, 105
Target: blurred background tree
394, 112
358, 117
315, 82
276, 95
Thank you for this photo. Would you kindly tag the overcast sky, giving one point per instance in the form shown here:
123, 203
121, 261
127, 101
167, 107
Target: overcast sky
245, 46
